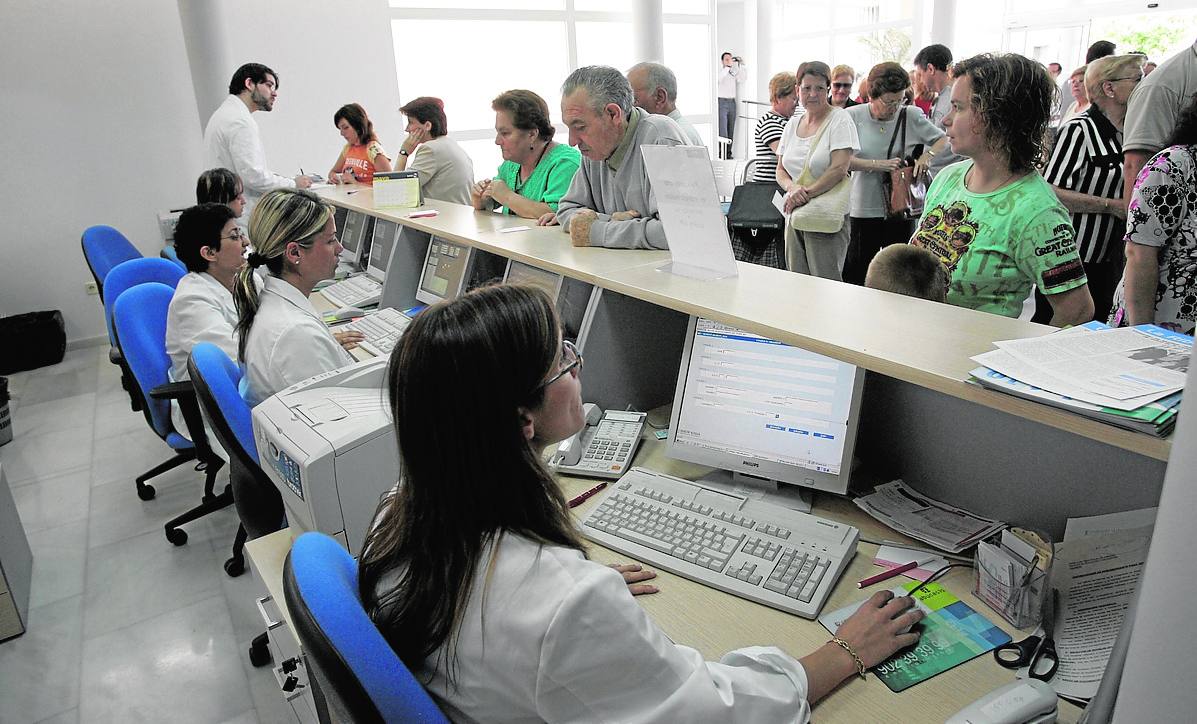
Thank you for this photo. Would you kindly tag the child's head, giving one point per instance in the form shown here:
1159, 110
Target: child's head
910, 270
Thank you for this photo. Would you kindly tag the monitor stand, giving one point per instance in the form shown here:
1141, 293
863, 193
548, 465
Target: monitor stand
759, 488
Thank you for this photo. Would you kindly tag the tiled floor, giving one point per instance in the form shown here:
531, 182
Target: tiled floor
123, 626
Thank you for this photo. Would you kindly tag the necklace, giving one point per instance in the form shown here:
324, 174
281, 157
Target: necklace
519, 174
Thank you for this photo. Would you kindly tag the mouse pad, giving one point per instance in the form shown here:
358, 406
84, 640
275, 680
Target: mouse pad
952, 633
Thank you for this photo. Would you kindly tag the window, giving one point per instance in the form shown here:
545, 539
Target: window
466, 52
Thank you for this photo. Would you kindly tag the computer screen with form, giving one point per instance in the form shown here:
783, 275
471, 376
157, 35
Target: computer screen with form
758, 407
380, 251
520, 273
445, 270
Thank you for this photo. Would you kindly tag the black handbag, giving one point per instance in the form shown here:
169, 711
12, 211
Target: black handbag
756, 227
32, 340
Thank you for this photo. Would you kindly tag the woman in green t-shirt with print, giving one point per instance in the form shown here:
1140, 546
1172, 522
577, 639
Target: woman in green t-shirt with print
991, 219
536, 171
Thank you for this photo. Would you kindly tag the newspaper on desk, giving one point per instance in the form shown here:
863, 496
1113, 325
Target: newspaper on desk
1120, 368
1097, 569
941, 525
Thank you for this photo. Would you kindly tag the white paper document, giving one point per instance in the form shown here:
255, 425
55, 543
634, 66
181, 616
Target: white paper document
1122, 363
779, 203
908, 511
1134, 523
1096, 577
688, 204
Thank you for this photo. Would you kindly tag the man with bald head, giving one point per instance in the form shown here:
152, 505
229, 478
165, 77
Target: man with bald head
654, 88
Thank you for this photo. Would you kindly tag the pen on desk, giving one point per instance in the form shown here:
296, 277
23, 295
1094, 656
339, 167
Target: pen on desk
350, 193
575, 502
892, 572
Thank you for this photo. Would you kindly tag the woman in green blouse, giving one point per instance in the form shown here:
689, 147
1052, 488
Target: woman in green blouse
536, 172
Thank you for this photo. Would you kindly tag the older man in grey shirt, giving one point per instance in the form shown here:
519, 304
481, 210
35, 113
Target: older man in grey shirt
610, 202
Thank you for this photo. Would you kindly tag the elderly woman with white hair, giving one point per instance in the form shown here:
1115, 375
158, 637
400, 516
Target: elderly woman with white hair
1085, 170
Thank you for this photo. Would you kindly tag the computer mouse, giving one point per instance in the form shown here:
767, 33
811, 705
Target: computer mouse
344, 313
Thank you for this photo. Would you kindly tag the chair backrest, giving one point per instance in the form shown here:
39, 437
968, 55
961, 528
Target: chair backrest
168, 252
725, 177
130, 273
215, 378
140, 320
358, 672
103, 248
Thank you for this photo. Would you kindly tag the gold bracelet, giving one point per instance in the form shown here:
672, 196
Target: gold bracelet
860, 667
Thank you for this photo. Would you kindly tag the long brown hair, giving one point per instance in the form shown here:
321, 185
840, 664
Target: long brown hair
458, 380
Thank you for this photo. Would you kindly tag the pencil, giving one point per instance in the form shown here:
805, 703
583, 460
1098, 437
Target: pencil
891, 573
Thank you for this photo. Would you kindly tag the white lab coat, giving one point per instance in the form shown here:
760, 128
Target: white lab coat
287, 343
202, 310
232, 141
554, 637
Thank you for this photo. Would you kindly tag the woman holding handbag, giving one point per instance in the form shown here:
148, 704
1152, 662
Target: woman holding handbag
890, 136
814, 154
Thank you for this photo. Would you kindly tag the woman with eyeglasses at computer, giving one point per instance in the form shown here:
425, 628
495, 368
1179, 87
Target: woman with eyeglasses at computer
211, 245
281, 338
476, 574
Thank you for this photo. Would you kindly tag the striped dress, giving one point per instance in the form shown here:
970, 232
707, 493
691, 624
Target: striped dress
769, 128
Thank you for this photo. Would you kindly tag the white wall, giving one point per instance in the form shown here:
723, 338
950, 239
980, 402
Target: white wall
101, 126
98, 118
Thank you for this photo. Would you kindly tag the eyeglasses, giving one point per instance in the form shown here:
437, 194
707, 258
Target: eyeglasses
1135, 78
571, 359
891, 103
237, 234
841, 86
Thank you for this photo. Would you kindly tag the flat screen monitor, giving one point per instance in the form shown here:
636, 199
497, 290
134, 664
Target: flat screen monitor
764, 409
351, 236
521, 273
446, 268
385, 233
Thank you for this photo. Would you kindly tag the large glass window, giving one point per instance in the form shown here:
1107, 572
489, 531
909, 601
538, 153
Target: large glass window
468, 51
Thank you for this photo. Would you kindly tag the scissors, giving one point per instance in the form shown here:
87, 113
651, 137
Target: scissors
1037, 653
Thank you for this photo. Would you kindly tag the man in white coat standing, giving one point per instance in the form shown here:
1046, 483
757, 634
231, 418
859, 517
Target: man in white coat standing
231, 138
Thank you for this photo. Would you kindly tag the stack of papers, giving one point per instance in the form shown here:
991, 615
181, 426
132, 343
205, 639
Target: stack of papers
938, 524
1130, 377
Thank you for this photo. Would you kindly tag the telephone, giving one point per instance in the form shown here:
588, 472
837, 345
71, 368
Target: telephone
604, 448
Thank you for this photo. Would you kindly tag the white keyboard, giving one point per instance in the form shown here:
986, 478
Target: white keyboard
355, 291
382, 329
748, 548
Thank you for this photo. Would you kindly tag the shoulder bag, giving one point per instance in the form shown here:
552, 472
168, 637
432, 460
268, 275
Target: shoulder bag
824, 213
904, 192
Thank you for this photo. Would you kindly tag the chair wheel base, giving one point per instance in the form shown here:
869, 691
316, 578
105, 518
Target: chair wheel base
259, 652
146, 492
177, 536
234, 567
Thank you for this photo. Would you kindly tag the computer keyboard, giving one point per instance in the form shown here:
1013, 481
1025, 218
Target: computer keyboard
355, 291
749, 548
382, 329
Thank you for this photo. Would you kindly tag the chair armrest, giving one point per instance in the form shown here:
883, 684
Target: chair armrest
173, 391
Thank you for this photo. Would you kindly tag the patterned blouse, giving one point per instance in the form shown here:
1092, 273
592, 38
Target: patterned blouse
1163, 213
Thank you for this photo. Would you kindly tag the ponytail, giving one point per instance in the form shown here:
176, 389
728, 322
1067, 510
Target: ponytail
281, 217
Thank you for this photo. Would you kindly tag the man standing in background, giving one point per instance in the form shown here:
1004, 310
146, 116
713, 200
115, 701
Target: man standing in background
1152, 111
731, 76
931, 66
231, 138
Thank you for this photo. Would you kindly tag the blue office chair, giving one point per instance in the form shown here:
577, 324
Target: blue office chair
168, 252
140, 318
352, 669
127, 274
103, 248
259, 505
